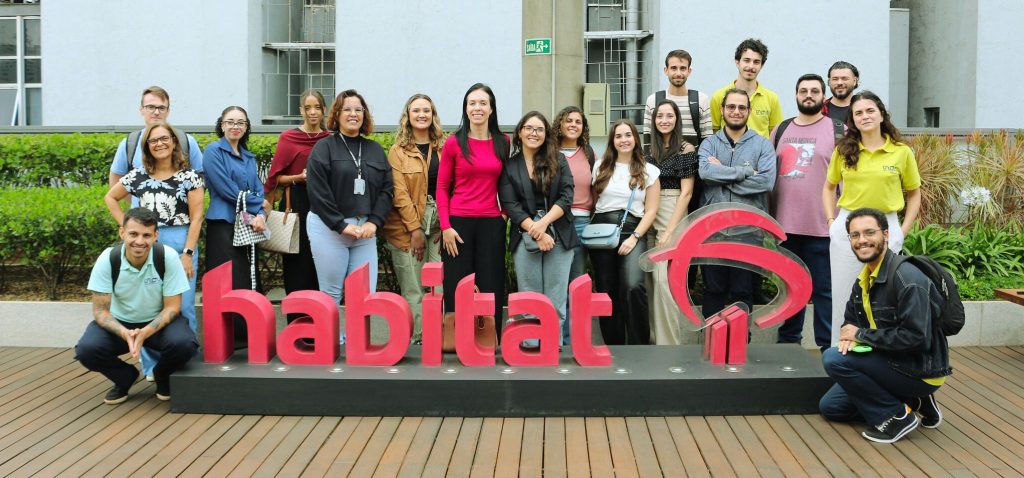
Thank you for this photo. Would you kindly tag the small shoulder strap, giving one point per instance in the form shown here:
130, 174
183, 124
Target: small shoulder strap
591, 156
183, 142
158, 259
129, 147
694, 99
778, 132
659, 97
837, 129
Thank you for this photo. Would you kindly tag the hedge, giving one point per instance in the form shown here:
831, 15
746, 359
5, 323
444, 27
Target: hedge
50, 160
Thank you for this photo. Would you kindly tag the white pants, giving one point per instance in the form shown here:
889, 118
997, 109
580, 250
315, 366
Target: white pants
846, 267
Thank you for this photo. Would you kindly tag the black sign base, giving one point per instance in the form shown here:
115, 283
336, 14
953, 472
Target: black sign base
643, 380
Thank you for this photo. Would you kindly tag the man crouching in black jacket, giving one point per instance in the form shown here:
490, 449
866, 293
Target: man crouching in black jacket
891, 356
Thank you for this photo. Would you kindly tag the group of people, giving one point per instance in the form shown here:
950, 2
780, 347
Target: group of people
457, 198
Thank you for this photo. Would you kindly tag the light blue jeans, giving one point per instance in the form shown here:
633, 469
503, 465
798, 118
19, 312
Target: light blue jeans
175, 236
547, 273
577, 268
336, 255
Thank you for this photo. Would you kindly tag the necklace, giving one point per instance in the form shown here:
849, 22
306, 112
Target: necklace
310, 135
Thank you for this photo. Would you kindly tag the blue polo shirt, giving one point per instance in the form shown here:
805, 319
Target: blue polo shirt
228, 173
139, 296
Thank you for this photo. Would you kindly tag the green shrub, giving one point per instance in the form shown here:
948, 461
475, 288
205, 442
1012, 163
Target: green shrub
969, 251
55, 229
983, 286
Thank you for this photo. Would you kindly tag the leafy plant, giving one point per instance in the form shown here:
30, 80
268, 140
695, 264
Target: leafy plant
941, 244
941, 179
997, 165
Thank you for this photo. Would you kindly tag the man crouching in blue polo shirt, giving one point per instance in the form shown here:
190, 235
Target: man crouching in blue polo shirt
136, 301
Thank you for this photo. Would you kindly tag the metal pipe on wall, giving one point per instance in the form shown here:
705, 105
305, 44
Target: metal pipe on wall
632, 61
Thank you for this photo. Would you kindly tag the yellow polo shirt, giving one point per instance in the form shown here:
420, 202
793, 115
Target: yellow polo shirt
879, 179
765, 109
867, 279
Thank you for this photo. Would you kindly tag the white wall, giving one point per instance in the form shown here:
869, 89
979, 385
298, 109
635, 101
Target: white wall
802, 37
997, 68
391, 49
98, 56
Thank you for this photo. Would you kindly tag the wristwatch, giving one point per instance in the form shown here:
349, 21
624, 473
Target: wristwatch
188, 251
634, 234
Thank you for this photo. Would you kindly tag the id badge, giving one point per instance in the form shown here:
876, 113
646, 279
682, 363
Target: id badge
359, 187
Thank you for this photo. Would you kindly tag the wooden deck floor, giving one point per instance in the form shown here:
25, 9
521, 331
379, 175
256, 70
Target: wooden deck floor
53, 423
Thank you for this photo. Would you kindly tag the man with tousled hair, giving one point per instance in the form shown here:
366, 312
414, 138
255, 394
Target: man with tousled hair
843, 80
765, 110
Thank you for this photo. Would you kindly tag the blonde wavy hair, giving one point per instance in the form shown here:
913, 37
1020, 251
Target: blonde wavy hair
404, 137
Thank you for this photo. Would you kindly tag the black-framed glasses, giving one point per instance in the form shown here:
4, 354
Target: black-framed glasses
232, 124
162, 139
740, 108
867, 234
155, 108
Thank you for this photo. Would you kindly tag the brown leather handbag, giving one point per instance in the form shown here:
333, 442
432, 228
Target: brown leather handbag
483, 329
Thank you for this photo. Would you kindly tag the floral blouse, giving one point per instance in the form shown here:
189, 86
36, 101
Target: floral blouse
168, 197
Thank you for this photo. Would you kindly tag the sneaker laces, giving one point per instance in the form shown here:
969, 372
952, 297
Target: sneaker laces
889, 420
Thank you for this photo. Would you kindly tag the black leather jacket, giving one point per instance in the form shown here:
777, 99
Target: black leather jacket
907, 332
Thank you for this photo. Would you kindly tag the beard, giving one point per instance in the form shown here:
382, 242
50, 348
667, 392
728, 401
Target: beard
677, 82
849, 91
880, 249
809, 109
736, 127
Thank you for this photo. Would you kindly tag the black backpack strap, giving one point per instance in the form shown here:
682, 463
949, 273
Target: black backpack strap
778, 131
591, 156
838, 129
129, 147
158, 259
659, 96
115, 264
694, 100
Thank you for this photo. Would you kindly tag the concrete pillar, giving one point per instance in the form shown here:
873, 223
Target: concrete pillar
551, 82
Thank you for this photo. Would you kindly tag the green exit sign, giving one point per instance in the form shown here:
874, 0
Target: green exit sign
538, 46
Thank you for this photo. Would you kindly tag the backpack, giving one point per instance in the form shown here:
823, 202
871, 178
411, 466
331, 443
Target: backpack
837, 129
132, 142
115, 261
952, 317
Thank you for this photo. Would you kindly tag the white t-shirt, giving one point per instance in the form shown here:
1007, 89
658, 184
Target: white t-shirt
616, 195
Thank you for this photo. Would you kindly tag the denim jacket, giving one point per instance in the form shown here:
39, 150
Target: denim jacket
906, 330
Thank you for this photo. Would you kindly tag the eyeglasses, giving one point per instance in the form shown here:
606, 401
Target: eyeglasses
155, 108
232, 124
740, 108
532, 130
357, 110
156, 141
868, 234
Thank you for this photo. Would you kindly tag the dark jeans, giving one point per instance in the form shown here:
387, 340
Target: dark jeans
298, 270
483, 253
623, 280
867, 388
724, 285
813, 251
219, 249
98, 351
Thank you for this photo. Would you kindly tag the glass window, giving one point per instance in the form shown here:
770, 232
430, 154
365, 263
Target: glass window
9, 71
34, 105
8, 37
32, 37
33, 70
7, 104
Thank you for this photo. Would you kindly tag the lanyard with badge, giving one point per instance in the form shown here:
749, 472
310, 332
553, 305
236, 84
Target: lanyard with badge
360, 184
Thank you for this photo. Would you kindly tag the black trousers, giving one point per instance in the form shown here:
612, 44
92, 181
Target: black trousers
98, 350
298, 269
623, 280
482, 253
219, 250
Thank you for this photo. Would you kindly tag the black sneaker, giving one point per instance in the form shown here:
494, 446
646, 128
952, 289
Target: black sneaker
163, 388
894, 428
931, 414
116, 395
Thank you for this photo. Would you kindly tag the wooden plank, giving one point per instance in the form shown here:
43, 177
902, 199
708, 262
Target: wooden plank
686, 447
623, 460
375, 447
753, 447
1013, 295
731, 446
265, 445
230, 458
35, 408
554, 447
840, 460
809, 463
54, 420
709, 448
598, 449
391, 461
779, 454
664, 446
577, 462
465, 447
951, 456
419, 450
282, 453
176, 464
353, 447
331, 447
531, 456
966, 419
169, 447
150, 442
643, 449
884, 459
212, 453
306, 450
507, 464
441, 452
124, 443
14, 380
486, 457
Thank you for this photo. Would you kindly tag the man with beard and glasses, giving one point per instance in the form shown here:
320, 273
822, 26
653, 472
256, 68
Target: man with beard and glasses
891, 356
694, 108
804, 146
843, 79
765, 109
737, 165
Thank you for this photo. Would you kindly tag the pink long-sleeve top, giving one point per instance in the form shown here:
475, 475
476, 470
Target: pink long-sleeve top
467, 189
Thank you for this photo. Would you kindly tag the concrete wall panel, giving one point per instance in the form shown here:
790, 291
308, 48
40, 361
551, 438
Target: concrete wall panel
996, 66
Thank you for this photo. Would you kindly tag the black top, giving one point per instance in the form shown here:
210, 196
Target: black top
838, 112
676, 167
516, 191
432, 170
332, 173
